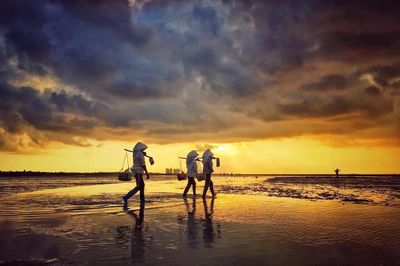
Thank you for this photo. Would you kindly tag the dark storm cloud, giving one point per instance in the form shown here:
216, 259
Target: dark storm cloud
22, 24
23, 107
207, 16
114, 17
72, 103
357, 31
309, 107
328, 82
336, 105
169, 67
85, 43
373, 91
384, 74
359, 46
224, 78
281, 40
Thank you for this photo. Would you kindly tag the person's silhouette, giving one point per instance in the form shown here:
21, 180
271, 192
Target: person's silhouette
208, 170
337, 172
191, 166
139, 167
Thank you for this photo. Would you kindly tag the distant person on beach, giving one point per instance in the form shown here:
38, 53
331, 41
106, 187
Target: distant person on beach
138, 168
337, 172
191, 166
208, 170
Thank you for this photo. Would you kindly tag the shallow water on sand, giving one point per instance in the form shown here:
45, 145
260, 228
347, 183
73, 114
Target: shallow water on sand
82, 222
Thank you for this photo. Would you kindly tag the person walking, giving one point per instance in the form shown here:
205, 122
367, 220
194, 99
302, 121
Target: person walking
208, 170
138, 168
191, 165
337, 171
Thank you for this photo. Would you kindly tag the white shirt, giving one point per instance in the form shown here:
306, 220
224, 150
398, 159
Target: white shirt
138, 163
191, 168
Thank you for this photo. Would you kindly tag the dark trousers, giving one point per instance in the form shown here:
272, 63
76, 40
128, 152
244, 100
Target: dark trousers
190, 183
139, 187
208, 184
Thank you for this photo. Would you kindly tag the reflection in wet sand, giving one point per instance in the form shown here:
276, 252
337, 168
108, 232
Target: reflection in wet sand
85, 225
192, 224
140, 240
208, 225
203, 223
138, 243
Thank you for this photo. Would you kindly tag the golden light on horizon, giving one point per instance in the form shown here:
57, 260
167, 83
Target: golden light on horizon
294, 155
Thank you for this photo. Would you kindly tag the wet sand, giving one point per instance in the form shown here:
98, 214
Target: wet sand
85, 224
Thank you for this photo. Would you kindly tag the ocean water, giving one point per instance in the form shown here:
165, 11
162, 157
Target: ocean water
260, 221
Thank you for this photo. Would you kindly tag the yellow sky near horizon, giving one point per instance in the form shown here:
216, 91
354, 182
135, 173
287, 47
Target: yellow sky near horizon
294, 155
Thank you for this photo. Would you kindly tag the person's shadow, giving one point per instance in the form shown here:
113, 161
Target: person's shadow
209, 234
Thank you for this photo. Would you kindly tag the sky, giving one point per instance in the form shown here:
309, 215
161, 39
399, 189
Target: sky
270, 86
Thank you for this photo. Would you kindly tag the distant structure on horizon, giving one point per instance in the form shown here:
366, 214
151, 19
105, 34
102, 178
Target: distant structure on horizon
172, 171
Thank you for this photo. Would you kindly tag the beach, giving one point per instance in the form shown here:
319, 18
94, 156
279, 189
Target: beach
260, 221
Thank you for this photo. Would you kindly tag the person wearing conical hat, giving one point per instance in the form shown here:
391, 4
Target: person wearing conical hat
138, 168
208, 170
191, 166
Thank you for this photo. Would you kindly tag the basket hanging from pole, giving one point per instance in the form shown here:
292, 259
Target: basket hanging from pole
125, 175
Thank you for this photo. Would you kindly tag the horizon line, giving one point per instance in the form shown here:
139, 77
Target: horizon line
2, 172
